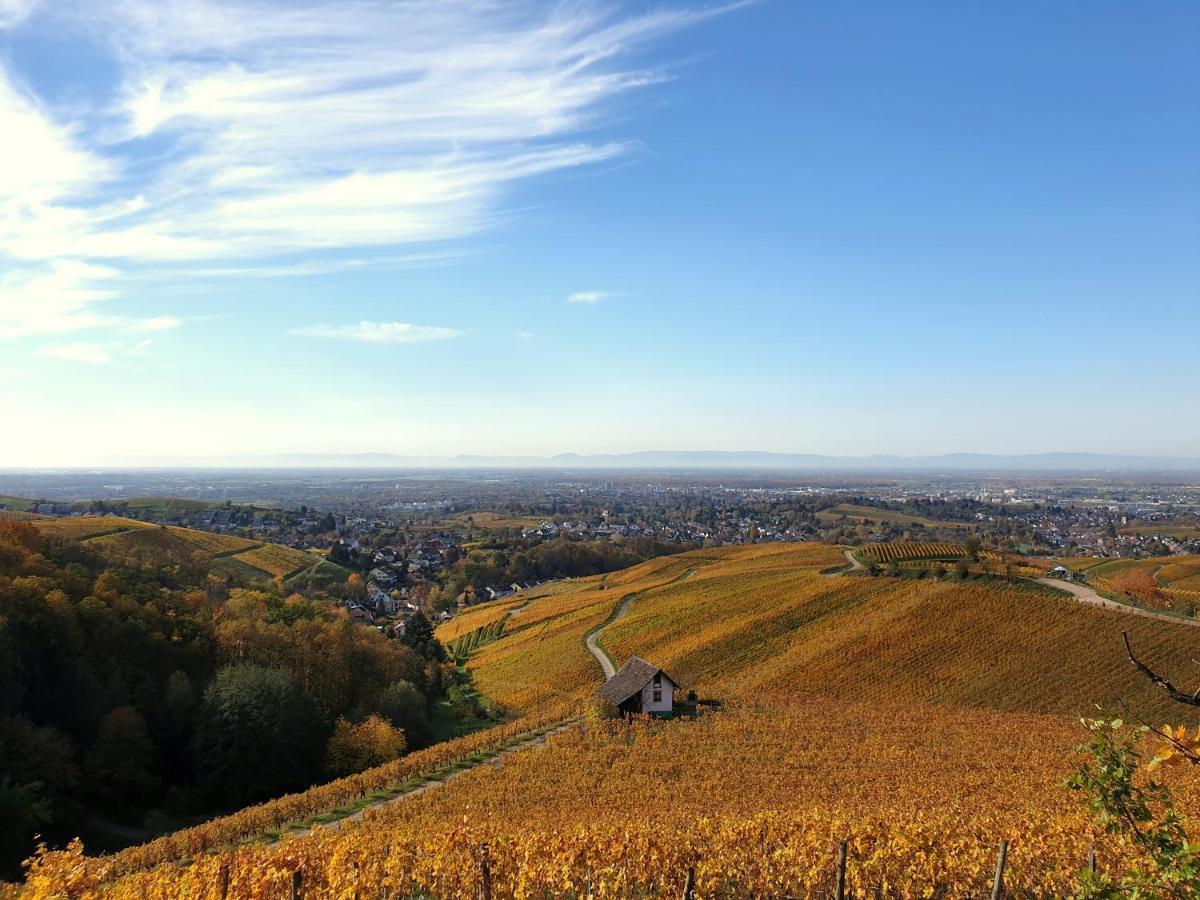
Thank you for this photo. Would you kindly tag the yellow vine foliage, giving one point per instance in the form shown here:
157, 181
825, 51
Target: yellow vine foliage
899, 550
755, 797
293, 809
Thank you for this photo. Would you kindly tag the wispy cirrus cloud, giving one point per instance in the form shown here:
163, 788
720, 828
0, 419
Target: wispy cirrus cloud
588, 296
239, 134
379, 332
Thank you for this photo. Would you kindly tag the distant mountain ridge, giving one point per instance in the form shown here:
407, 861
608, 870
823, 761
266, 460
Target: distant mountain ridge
697, 459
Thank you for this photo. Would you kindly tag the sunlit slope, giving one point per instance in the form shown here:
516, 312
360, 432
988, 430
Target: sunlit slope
121, 539
542, 659
763, 621
613, 810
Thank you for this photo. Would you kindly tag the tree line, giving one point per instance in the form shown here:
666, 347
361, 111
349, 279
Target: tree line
134, 698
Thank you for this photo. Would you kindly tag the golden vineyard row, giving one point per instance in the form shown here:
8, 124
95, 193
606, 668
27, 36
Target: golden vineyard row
756, 798
277, 814
911, 550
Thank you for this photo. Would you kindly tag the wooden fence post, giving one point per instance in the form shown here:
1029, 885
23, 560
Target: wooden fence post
843, 850
223, 881
485, 873
297, 880
998, 883
689, 885
1092, 860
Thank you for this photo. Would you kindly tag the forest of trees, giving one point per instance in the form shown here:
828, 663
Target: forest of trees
133, 699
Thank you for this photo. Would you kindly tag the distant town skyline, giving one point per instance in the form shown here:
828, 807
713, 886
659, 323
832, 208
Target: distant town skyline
528, 228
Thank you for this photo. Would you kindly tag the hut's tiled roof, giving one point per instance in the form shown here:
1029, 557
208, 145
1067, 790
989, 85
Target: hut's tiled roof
633, 676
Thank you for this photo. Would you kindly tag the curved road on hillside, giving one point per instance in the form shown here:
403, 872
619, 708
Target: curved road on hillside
1081, 593
1087, 595
606, 663
596, 650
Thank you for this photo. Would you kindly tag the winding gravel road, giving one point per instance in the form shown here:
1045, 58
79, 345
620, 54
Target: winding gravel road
1087, 595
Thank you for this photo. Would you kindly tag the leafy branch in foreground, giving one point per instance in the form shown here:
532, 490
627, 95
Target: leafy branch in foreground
1137, 810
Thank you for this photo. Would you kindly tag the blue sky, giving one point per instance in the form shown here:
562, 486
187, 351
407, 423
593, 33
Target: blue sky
529, 228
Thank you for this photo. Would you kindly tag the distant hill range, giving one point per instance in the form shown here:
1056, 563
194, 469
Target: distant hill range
733, 460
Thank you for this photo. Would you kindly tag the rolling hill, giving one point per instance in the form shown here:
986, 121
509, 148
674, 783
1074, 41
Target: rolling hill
116, 537
920, 721
763, 621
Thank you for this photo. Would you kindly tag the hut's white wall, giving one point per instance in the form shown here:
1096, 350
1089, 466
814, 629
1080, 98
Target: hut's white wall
663, 704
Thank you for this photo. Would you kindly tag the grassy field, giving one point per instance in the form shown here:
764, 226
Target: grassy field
20, 504
491, 520
858, 514
159, 506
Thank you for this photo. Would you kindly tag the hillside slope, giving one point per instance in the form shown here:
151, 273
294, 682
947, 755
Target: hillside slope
763, 621
118, 538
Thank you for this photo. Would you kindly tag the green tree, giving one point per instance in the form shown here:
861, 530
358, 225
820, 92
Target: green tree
405, 707
121, 763
257, 736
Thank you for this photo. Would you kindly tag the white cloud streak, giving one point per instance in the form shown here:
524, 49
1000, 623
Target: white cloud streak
247, 131
587, 296
379, 332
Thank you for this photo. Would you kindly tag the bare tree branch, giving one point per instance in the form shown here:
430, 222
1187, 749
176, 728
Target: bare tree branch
1173, 692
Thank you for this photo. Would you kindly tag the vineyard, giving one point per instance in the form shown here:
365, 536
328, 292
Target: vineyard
477, 617
919, 720
80, 528
922, 795
747, 620
901, 550
300, 812
277, 560
118, 538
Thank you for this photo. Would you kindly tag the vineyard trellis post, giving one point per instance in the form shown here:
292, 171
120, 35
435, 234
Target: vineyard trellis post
689, 884
485, 873
998, 882
843, 851
1092, 860
297, 880
223, 881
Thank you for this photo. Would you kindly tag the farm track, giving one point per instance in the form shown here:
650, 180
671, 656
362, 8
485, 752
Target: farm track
592, 640
855, 565
1080, 593
497, 760
1088, 596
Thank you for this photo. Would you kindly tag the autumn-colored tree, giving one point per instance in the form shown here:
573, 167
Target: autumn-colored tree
1139, 585
372, 742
